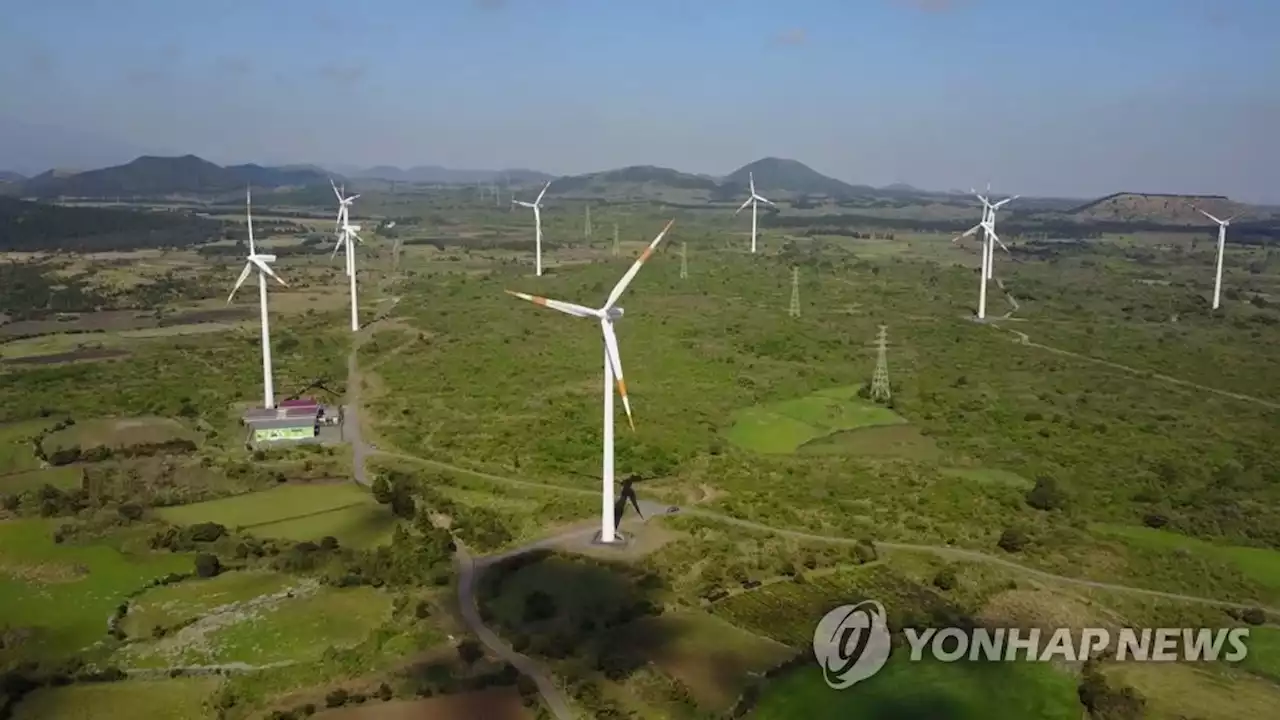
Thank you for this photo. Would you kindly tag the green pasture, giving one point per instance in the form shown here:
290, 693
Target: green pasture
1260, 565
172, 699
300, 512
170, 605
58, 597
17, 452
63, 478
784, 427
117, 433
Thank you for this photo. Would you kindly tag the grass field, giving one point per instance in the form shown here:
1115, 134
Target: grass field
927, 690
1264, 653
984, 476
63, 478
172, 604
491, 704
117, 433
59, 595
783, 427
173, 699
1260, 565
709, 656
17, 452
1175, 691
269, 629
310, 511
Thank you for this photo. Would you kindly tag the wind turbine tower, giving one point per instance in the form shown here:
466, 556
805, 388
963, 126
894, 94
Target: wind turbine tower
753, 201
262, 265
537, 221
989, 239
1222, 244
880, 380
586, 226
684, 260
607, 315
794, 310
347, 235
616, 246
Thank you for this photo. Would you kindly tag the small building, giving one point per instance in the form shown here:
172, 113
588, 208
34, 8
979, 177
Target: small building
295, 428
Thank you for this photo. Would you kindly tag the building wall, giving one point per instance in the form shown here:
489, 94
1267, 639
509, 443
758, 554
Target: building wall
286, 433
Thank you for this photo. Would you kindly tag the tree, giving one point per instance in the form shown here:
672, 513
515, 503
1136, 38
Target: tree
130, 511
1254, 616
469, 651
945, 579
538, 606
328, 543
336, 698
384, 692
381, 490
207, 565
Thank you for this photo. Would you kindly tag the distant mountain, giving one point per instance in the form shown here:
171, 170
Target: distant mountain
159, 176
634, 180
780, 175
1157, 208
11, 177
436, 175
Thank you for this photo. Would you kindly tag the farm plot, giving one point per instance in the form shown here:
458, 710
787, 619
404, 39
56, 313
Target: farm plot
490, 704
174, 699
17, 449
56, 597
301, 512
784, 427
171, 605
116, 433
293, 624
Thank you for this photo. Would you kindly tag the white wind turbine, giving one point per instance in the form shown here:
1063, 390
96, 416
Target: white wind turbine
1222, 244
260, 263
537, 222
347, 233
989, 240
612, 370
753, 201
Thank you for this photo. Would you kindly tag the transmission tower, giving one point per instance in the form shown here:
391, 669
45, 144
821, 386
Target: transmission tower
880, 380
586, 227
795, 292
684, 260
616, 249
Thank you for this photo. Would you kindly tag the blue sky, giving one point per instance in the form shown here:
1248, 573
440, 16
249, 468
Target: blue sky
1041, 97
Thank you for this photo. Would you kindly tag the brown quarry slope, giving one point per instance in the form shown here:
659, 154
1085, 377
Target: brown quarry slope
1156, 208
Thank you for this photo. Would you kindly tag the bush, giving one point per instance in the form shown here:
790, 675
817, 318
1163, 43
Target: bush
1013, 540
130, 511
384, 692
336, 698
207, 565
865, 551
1155, 520
1046, 495
205, 532
469, 651
1254, 616
328, 543
945, 579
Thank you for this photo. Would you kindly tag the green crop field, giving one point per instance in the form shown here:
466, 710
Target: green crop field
1260, 565
60, 595
296, 512
63, 478
174, 699
116, 433
927, 690
17, 451
1175, 691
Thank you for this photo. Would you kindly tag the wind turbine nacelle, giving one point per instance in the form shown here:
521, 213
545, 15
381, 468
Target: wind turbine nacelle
614, 313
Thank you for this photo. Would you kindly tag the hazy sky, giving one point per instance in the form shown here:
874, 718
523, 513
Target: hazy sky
1071, 98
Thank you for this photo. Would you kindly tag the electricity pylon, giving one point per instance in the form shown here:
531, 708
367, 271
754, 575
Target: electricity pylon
880, 380
795, 292
617, 250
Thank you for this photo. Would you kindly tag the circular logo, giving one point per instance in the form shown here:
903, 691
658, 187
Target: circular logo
851, 643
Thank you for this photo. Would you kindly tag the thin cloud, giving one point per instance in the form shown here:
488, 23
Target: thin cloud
794, 36
931, 7
344, 74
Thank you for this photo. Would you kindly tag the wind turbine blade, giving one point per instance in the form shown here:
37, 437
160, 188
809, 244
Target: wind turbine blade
1002, 202
1209, 216
751, 178
764, 199
611, 345
544, 192
335, 189
998, 241
353, 197
243, 274
635, 267
565, 307
336, 247
968, 232
267, 269
744, 205
248, 217
522, 203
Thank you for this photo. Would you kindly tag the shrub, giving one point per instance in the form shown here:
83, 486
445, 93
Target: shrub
1046, 495
130, 511
336, 698
945, 579
207, 565
865, 551
1155, 520
384, 692
1254, 616
1013, 540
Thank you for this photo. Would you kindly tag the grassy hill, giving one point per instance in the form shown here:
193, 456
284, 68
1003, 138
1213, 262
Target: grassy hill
35, 226
158, 176
636, 182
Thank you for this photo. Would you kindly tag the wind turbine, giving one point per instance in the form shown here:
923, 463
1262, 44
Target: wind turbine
1222, 244
537, 221
607, 315
989, 240
261, 264
346, 234
753, 201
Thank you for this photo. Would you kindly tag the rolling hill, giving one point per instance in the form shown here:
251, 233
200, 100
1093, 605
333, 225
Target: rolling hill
151, 176
781, 175
635, 182
436, 175
1155, 207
